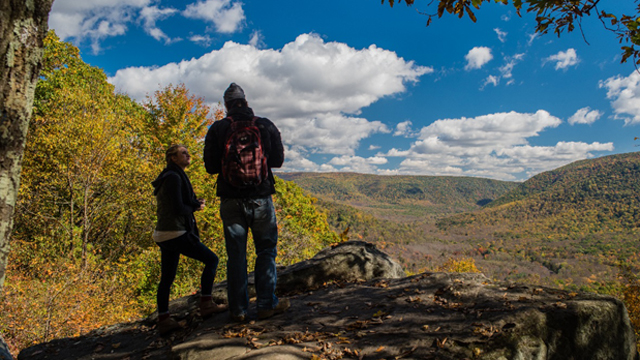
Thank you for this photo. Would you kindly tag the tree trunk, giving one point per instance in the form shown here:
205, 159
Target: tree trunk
23, 26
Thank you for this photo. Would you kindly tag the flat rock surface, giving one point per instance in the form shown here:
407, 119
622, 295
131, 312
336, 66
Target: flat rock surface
427, 316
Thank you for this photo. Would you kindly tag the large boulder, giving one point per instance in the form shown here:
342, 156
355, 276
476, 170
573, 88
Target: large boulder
347, 261
439, 316
344, 262
351, 302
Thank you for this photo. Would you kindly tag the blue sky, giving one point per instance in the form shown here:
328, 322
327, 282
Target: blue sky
359, 86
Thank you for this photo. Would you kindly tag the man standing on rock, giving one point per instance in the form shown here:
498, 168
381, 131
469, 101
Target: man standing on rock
242, 149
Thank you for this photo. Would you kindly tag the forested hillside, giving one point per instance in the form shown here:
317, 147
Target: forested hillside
585, 197
402, 197
576, 227
82, 254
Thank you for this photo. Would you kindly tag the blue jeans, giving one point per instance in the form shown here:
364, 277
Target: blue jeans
170, 256
238, 216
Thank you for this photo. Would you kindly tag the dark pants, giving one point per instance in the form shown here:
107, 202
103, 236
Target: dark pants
238, 216
170, 255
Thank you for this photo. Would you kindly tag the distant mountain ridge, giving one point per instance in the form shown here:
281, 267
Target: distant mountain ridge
586, 196
413, 197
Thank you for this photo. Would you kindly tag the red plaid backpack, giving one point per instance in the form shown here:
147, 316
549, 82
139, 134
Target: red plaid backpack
244, 164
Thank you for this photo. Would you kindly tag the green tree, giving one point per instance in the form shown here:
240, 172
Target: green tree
555, 16
84, 172
83, 253
83, 210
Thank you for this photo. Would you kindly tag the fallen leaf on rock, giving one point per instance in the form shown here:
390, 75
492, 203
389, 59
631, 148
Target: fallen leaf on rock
357, 325
380, 349
381, 284
354, 353
380, 313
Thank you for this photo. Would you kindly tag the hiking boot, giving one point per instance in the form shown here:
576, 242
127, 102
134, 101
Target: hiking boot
208, 308
167, 326
238, 318
282, 306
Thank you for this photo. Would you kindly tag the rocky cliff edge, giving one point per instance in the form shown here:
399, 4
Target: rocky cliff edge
353, 302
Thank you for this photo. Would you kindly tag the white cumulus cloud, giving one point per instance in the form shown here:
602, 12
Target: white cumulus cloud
564, 59
510, 62
204, 40
502, 35
624, 93
585, 116
226, 15
257, 40
495, 146
94, 20
358, 163
478, 57
150, 15
491, 80
404, 129
313, 90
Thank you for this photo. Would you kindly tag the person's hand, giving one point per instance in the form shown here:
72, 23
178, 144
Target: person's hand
202, 204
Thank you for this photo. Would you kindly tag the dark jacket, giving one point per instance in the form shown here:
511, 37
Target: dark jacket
176, 200
214, 144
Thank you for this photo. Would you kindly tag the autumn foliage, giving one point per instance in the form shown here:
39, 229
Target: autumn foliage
82, 253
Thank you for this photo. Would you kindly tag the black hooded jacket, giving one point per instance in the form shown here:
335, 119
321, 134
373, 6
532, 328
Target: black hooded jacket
214, 151
176, 200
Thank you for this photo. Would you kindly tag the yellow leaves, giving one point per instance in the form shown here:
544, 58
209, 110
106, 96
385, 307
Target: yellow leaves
381, 284
485, 330
560, 305
69, 302
413, 299
380, 313
464, 265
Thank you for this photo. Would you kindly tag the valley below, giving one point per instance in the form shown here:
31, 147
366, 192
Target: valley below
574, 228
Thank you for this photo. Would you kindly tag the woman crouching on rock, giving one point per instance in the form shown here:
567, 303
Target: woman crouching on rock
176, 233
